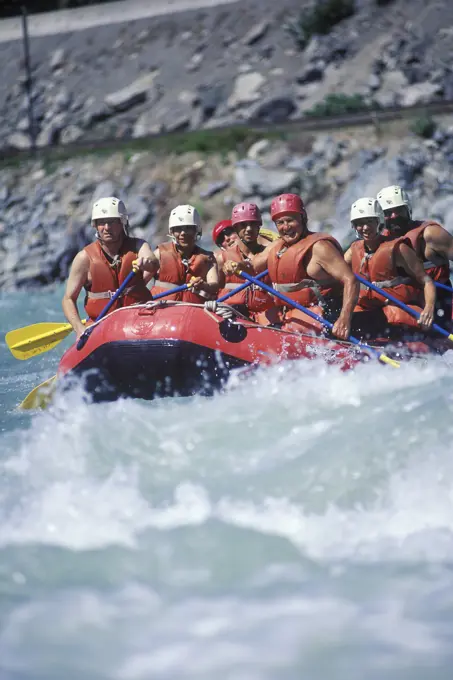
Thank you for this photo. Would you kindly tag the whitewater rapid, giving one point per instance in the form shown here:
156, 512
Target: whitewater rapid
297, 525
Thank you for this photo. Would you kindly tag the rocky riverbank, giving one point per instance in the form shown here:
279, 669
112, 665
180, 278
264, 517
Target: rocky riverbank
45, 206
255, 60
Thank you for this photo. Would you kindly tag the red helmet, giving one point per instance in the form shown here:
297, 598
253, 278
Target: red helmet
287, 203
219, 227
245, 212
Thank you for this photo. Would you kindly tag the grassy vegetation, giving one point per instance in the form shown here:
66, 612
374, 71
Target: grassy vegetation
319, 20
338, 104
206, 142
423, 126
218, 142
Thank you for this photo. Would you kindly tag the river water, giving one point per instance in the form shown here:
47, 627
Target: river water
299, 525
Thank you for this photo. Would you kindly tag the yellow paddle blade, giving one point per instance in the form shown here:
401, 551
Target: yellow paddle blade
40, 396
386, 360
29, 341
269, 234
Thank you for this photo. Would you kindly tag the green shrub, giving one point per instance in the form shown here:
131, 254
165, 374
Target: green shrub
338, 104
424, 126
320, 19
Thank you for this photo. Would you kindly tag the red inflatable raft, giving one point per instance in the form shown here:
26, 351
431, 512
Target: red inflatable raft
169, 348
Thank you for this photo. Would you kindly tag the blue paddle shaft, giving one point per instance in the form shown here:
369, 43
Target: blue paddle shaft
240, 288
86, 334
293, 303
400, 304
170, 291
443, 286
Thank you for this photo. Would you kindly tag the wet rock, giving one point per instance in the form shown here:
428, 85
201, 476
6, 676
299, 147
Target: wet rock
19, 140
58, 59
210, 98
103, 189
138, 210
251, 178
419, 93
246, 89
195, 62
410, 166
274, 110
256, 33
312, 73
70, 134
133, 94
213, 189
258, 148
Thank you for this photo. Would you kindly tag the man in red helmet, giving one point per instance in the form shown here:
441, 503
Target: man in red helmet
246, 220
309, 268
224, 234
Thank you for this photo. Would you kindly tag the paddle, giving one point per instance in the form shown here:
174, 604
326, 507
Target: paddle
29, 341
400, 304
443, 286
40, 396
355, 341
240, 288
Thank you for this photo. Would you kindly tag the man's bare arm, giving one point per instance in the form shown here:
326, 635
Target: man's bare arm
348, 256
328, 257
78, 277
406, 258
440, 240
211, 286
259, 261
220, 273
147, 260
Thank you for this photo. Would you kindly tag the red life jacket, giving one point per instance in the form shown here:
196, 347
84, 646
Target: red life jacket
174, 271
438, 272
106, 278
380, 268
288, 271
254, 297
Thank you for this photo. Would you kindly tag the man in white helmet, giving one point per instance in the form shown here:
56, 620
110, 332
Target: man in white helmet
432, 243
102, 266
392, 266
183, 261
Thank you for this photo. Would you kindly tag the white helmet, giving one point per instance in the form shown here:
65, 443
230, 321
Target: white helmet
367, 207
394, 197
108, 208
185, 215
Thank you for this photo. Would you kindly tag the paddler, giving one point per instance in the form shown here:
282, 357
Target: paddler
307, 267
246, 220
183, 261
101, 267
390, 265
224, 235
432, 243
